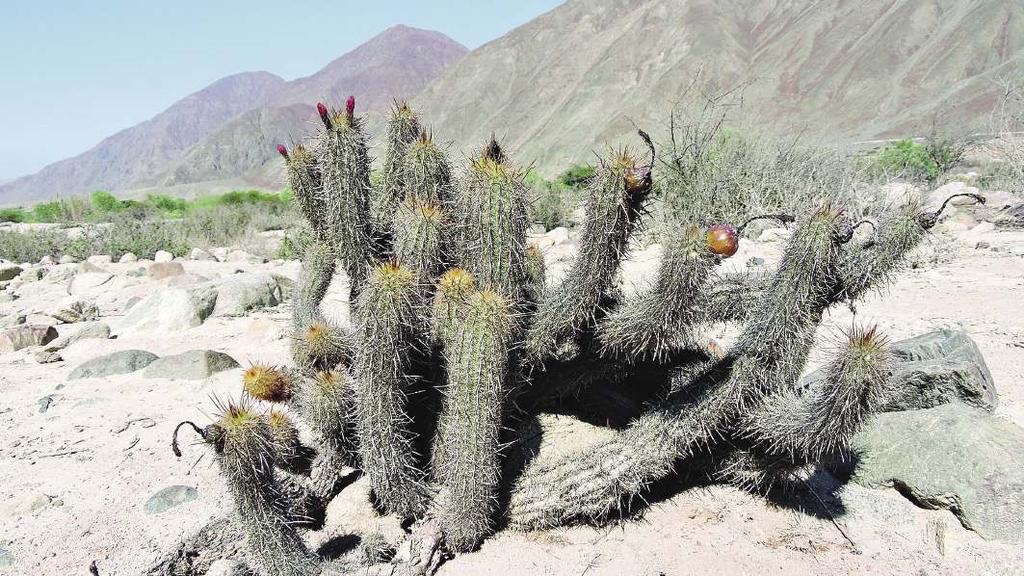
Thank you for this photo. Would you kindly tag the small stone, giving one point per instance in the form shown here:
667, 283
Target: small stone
87, 266
12, 320
128, 257
99, 259
122, 362
18, 337
755, 261
225, 567
191, 365
161, 270
32, 274
25, 503
982, 246
558, 235
67, 259
46, 357
200, 254
9, 272
220, 254
168, 498
163, 256
44, 403
47, 260
536, 229
244, 257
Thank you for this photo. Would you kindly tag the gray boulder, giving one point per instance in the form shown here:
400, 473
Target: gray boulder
170, 309
952, 457
191, 365
122, 362
9, 272
68, 334
25, 335
934, 369
161, 270
239, 293
87, 281
168, 498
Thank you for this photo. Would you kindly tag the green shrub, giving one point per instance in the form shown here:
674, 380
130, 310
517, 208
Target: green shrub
105, 203
908, 159
13, 215
551, 203
576, 176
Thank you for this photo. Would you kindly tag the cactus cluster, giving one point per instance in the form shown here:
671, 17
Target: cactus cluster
457, 336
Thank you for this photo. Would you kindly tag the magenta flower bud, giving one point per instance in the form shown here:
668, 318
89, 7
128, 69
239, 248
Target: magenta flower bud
350, 106
321, 109
282, 151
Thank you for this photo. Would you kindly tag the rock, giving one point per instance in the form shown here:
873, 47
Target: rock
87, 266
163, 256
168, 498
951, 457
755, 261
161, 270
983, 228
558, 235
99, 259
240, 293
84, 282
982, 246
7, 296
76, 310
899, 194
71, 333
18, 337
127, 258
47, 356
12, 320
242, 256
9, 272
47, 260
32, 274
774, 235
44, 403
200, 254
25, 503
122, 362
220, 254
67, 259
191, 365
170, 309
225, 567
934, 369
936, 197
536, 229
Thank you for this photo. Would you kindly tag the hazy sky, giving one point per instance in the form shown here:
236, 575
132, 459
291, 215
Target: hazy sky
73, 72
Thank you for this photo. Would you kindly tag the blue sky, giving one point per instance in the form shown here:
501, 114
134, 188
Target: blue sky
73, 72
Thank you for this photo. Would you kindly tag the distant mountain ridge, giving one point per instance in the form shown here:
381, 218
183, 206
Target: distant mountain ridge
588, 72
227, 130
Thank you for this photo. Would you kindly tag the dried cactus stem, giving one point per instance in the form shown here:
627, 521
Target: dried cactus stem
466, 455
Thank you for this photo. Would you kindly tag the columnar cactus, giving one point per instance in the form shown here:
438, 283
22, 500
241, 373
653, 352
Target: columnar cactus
458, 332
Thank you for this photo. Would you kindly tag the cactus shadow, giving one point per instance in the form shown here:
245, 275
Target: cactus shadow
338, 546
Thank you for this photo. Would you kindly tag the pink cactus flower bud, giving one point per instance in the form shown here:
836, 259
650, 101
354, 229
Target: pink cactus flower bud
282, 151
321, 109
350, 106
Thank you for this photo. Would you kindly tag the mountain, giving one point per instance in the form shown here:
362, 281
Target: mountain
580, 76
396, 64
136, 152
226, 131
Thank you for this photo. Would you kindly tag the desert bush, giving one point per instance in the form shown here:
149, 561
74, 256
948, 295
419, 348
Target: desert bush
906, 159
13, 215
576, 176
458, 338
551, 202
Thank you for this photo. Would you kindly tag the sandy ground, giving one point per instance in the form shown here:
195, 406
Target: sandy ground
101, 449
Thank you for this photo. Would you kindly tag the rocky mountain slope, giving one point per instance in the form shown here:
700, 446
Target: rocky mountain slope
223, 130
580, 76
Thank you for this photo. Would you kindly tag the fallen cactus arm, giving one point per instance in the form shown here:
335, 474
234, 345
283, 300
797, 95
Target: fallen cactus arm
459, 332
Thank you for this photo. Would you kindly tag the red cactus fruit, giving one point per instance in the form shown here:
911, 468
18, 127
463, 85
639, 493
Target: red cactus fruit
350, 106
723, 240
282, 151
638, 180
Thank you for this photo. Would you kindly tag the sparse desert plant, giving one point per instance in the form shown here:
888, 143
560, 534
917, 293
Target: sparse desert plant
457, 335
